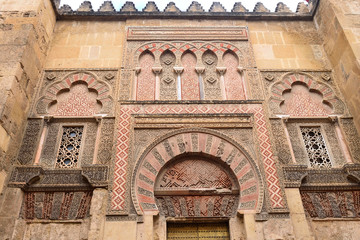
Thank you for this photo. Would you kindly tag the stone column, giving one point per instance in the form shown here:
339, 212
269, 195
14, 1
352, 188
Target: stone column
137, 70
287, 135
97, 140
222, 71
241, 72
341, 138
47, 119
97, 214
149, 224
250, 227
157, 71
9, 213
178, 71
200, 71
301, 227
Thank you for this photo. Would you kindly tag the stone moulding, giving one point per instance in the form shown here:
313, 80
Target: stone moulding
40, 179
195, 10
347, 177
187, 33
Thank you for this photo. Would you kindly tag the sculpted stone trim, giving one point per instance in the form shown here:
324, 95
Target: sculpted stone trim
35, 178
30, 141
338, 178
56, 81
187, 33
147, 167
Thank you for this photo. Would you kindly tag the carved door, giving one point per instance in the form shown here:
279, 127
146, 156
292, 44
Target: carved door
198, 231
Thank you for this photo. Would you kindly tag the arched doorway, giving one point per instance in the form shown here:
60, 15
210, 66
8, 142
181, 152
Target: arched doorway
196, 176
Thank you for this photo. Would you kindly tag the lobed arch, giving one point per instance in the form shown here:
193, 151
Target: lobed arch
101, 88
205, 142
289, 80
218, 47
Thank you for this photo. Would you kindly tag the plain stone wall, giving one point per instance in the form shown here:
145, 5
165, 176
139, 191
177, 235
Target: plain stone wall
338, 24
25, 32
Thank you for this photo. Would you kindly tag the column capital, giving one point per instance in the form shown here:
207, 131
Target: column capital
157, 70
240, 69
200, 70
178, 70
137, 70
221, 70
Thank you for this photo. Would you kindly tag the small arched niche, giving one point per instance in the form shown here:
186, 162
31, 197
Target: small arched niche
189, 79
234, 85
196, 185
299, 100
146, 77
78, 100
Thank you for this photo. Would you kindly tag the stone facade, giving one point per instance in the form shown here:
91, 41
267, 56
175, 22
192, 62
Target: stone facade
158, 124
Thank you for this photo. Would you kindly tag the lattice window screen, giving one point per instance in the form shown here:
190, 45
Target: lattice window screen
68, 156
315, 147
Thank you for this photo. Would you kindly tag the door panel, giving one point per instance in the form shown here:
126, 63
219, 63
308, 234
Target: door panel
198, 231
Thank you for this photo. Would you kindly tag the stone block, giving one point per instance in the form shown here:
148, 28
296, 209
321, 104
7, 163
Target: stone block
11, 204
115, 230
4, 144
284, 51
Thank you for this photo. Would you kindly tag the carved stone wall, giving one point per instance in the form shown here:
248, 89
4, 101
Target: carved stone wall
198, 63
334, 204
56, 205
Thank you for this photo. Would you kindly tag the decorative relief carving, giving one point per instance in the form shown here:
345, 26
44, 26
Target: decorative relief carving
352, 137
30, 141
281, 143
56, 206
89, 143
211, 85
253, 79
331, 204
197, 173
197, 206
106, 141
187, 33
168, 77
49, 150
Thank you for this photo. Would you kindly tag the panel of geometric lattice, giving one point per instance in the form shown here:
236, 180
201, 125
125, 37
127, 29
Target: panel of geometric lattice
198, 206
331, 204
195, 173
57, 205
69, 150
315, 147
203, 231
